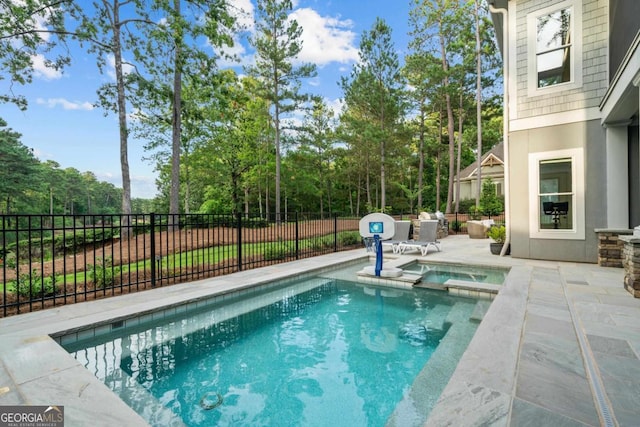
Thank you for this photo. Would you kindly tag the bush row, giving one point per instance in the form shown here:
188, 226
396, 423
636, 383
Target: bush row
46, 247
104, 274
34, 286
279, 251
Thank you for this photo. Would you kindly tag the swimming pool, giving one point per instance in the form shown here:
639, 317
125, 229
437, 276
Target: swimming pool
319, 351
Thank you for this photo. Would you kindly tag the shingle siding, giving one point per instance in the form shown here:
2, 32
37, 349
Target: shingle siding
594, 62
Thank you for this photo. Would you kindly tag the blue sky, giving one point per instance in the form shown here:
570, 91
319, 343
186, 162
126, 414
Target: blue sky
61, 123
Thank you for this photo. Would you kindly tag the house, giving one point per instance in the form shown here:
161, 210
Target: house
572, 73
492, 166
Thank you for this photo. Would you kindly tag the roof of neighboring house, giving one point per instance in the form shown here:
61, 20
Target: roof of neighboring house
491, 157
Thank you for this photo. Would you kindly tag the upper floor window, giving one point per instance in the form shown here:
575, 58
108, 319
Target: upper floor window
553, 48
555, 51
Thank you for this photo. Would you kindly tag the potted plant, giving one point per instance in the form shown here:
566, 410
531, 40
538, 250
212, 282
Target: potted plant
497, 233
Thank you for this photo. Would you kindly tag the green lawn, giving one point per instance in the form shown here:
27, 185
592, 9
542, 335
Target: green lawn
104, 272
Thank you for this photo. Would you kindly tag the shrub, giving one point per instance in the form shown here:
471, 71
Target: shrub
41, 247
475, 212
349, 238
492, 204
279, 251
103, 274
10, 260
231, 221
195, 221
33, 285
255, 223
466, 205
375, 209
319, 243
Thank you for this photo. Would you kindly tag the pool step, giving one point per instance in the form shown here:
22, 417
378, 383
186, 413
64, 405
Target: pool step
481, 308
418, 402
436, 317
406, 279
426, 285
472, 289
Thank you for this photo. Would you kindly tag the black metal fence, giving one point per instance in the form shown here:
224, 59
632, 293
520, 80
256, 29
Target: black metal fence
51, 260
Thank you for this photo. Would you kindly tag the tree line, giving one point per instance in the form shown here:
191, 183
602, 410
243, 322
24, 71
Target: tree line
29, 186
250, 140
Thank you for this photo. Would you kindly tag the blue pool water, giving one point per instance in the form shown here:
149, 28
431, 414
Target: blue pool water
317, 352
440, 273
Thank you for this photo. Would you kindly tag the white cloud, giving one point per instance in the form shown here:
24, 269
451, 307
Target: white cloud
38, 61
142, 186
42, 155
41, 70
111, 67
243, 11
39, 22
236, 51
66, 105
335, 105
325, 39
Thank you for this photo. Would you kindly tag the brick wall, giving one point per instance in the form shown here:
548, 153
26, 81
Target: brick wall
631, 263
610, 248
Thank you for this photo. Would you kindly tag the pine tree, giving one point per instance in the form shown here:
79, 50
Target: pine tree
278, 43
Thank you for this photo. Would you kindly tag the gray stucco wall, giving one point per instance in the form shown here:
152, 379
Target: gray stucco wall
587, 135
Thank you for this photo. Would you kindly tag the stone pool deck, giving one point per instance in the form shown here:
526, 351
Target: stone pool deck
560, 345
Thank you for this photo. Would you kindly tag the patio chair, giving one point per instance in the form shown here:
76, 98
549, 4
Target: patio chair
400, 235
427, 237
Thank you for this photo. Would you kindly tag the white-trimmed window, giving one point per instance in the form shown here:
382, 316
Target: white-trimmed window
555, 48
556, 189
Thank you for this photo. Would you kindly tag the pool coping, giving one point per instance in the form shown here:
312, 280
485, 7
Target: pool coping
483, 385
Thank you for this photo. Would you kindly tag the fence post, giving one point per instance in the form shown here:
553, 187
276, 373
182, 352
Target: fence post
239, 239
3, 264
152, 230
335, 232
297, 237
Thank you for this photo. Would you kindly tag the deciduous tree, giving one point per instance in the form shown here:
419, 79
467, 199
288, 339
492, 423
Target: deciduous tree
174, 56
30, 31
